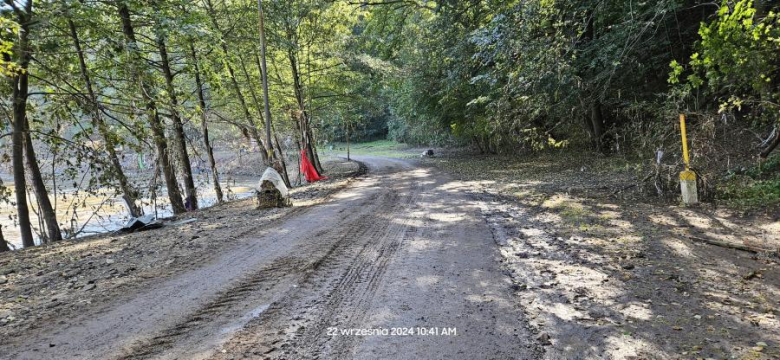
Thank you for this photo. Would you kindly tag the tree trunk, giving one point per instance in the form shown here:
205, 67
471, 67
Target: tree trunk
3, 245
264, 75
303, 117
180, 141
282, 163
129, 195
204, 126
317, 163
151, 109
771, 147
19, 83
597, 124
253, 94
53, 232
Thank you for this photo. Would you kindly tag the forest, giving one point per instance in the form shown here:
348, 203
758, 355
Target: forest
137, 98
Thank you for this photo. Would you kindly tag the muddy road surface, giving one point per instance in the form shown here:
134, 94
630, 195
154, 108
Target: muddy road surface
400, 264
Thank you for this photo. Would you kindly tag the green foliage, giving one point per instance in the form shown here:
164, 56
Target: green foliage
736, 59
508, 76
8, 31
757, 186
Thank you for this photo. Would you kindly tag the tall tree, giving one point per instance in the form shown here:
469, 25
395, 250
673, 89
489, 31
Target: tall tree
129, 194
19, 82
155, 123
202, 108
45, 208
180, 141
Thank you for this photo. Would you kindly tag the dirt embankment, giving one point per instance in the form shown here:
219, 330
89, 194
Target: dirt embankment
64, 279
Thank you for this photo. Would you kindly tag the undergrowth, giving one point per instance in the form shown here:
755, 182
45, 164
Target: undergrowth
757, 186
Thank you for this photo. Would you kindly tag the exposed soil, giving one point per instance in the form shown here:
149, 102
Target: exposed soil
42, 284
400, 250
605, 274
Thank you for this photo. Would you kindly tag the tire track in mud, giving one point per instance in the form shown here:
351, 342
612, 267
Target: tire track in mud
277, 282
337, 296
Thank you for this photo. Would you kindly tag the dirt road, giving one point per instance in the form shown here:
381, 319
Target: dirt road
401, 255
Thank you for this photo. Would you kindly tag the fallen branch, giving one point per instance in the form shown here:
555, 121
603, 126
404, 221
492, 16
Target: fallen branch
633, 185
730, 245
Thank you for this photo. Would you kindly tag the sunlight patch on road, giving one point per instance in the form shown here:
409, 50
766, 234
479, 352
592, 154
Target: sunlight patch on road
447, 217
427, 281
637, 310
678, 247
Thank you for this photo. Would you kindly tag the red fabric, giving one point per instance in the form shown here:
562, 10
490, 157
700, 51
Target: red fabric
308, 170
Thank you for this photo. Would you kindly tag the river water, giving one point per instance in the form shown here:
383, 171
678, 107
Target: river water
81, 214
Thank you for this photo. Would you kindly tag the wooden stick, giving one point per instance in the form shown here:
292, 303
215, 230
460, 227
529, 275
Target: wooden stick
731, 245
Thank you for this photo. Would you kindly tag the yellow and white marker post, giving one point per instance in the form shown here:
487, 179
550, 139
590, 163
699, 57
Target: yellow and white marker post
690, 195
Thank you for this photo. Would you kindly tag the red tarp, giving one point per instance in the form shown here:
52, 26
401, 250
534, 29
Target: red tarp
309, 172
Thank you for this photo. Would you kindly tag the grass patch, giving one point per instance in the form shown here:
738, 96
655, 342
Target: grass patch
758, 186
386, 148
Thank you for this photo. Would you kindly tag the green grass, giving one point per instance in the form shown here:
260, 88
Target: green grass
758, 186
386, 148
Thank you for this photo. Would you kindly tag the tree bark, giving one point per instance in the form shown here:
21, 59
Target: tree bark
303, 117
180, 141
597, 124
204, 126
3, 245
771, 147
19, 83
282, 163
264, 75
129, 194
53, 232
151, 109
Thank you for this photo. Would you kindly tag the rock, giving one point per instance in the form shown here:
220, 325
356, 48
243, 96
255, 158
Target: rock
110, 261
519, 287
3, 280
597, 313
544, 338
90, 287
627, 266
273, 192
761, 344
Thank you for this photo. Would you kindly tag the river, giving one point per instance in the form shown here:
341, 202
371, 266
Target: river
80, 213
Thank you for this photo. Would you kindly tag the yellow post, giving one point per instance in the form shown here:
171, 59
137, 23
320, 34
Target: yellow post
687, 178
686, 159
